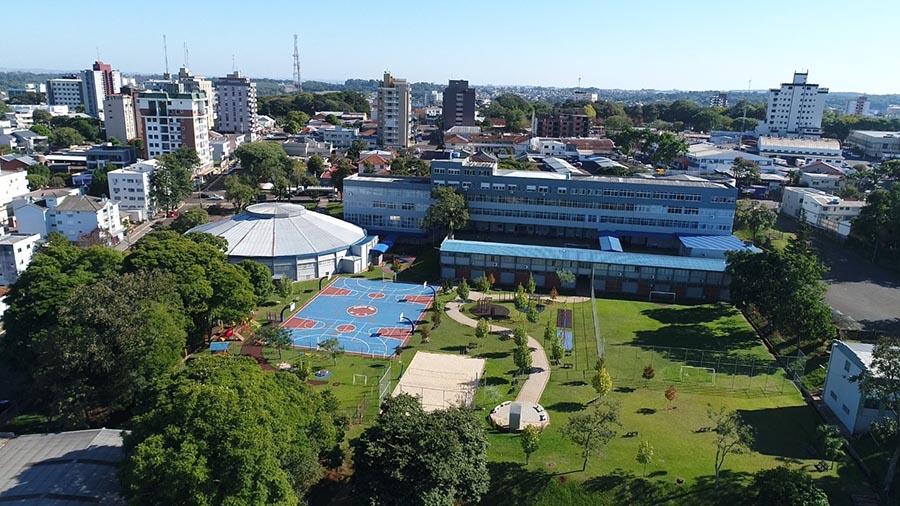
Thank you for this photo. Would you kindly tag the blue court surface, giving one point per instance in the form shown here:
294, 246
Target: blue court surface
566, 336
364, 315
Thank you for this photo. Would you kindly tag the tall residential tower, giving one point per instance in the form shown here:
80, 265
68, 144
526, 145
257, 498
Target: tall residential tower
394, 112
459, 105
236, 105
795, 109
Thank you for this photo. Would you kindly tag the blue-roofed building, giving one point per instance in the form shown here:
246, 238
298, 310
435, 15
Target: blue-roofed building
613, 273
387, 205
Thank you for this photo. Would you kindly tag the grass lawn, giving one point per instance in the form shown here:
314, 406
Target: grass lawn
783, 422
779, 239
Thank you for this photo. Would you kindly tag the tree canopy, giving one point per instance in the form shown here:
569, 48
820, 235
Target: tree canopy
754, 216
410, 457
189, 219
264, 162
782, 485
448, 212
223, 431
170, 182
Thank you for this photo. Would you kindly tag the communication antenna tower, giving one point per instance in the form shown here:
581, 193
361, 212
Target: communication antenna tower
166, 52
298, 83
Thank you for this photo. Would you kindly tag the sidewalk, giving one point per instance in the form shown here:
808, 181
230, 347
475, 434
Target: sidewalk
534, 386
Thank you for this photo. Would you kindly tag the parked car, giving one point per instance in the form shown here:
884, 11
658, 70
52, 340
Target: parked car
216, 196
173, 214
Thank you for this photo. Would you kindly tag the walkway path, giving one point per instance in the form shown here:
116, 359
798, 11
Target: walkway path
534, 386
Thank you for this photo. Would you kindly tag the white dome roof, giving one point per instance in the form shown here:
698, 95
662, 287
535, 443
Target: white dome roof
279, 229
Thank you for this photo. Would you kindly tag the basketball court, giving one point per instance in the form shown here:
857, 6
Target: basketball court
367, 317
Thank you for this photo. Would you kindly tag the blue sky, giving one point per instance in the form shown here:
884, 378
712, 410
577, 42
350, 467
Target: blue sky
662, 44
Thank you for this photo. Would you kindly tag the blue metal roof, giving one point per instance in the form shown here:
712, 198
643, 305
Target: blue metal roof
218, 346
583, 255
384, 244
610, 243
716, 242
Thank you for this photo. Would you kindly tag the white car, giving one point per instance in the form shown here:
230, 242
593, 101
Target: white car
216, 196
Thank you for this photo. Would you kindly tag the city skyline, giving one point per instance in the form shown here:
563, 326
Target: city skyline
654, 45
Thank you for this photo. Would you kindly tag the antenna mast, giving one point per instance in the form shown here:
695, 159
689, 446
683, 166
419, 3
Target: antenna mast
298, 83
187, 57
166, 52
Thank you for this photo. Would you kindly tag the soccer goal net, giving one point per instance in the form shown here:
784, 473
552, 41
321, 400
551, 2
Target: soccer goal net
360, 379
657, 296
699, 375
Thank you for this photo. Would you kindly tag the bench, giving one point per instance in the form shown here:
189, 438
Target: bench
633, 433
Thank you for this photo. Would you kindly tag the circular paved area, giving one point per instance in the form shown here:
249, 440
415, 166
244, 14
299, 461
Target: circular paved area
361, 311
376, 295
531, 414
347, 327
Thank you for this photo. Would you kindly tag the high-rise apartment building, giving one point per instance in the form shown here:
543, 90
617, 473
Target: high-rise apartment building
394, 112
174, 118
459, 105
236, 105
719, 100
119, 119
196, 84
859, 107
563, 123
65, 91
97, 83
795, 109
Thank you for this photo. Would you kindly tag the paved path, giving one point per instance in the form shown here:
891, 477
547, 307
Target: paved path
534, 386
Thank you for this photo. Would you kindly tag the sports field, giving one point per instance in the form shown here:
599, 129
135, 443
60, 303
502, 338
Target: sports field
373, 318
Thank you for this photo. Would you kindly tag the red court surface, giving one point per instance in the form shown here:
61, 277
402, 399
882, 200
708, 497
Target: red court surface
348, 327
394, 332
301, 323
361, 311
419, 299
335, 292
376, 295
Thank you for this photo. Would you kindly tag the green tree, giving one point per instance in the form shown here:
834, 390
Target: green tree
593, 430
530, 439
223, 431
38, 177
170, 182
590, 112
99, 186
521, 298
522, 358
745, 172
276, 337
879, 221
413, 458
482, 284
880, 381
189, 219
284, 287
356, 147
627, 139
601, 381
665, 147
557, 351
316, 165
260, 277
263, 161
462, 290
831, 441
448, 212
644, 455
41, 117
333, 347
616, 123
733, 435
343, 169
56, 182
65, 137
648, 374
531, 287
849, 192
240, 194
41, 130
782, 486
754, 216
332, 119
482, 328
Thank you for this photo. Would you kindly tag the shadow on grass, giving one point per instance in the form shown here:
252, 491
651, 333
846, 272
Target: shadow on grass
689, 315
577, 383
786, 432
566, 407
646, 411
454, 349
494, 354
625, 390
494, 381
512, 485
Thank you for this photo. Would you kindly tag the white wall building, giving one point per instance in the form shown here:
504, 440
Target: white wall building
197, 84
706, 158
842, 395
172, 119
130, 188
12, 184
825, 182
65, 91
585, 96
118, 112
801, 150
236, 106
340, 137
74, 216
16, 251
394, 109
795, 109
97, 83
859, 107
821, 210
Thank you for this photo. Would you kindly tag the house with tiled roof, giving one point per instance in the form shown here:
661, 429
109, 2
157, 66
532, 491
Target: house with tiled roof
821, 168
77, 217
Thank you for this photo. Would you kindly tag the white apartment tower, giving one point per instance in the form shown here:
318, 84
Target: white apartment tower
65, 91
197, 84
97, 83
130, 188
859, 107
236, 106
174, 118
795, 109
118, 112
394, 112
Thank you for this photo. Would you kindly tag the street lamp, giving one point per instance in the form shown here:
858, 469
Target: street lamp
433, 292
